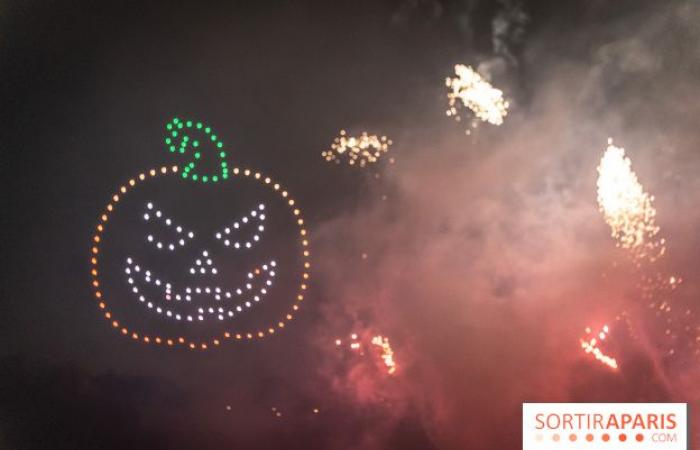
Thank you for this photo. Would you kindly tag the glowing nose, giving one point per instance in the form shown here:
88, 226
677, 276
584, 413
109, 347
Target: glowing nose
203, 265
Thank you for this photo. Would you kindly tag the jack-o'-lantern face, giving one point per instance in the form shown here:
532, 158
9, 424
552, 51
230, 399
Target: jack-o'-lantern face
187, 259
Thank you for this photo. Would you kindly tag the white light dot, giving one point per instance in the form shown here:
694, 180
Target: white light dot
149, 205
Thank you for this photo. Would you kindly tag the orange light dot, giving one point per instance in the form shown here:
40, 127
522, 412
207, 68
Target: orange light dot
639, 437
115, 324
623, 437
572, 437
589, 437
98, 294
124, 331
555, 437
605, 437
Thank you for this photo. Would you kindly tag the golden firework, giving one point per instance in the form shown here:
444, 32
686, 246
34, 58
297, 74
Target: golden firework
626, 207
469, 90
357, 150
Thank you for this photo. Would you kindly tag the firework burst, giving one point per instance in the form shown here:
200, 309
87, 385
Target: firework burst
357, 150
626, 207
469, 90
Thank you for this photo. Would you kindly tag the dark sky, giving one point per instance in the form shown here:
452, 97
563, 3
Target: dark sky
485, 255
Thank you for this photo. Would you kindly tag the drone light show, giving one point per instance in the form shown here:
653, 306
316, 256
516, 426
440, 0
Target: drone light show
366, 225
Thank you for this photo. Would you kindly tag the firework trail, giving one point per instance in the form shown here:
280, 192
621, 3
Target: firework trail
591, 345
469, 90
357, 150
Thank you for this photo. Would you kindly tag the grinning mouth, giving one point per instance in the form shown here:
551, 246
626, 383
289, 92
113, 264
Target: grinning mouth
215, 302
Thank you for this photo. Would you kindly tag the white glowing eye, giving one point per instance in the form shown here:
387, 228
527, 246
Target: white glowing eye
268, 282
202, 270
217, 297
188, 298
261, 228
247, 245
207, 290
171, 247
159, 310
261, 207
192, 270
272, 273
158, 214
205, 253
256, 298
262, 216
228, 295
130, 280
227, 230
248, 286
214, 271
159, 245
250, 275
168, 222
142, 298
178, 297
189, 318
182, 242
244, 220
149, 205
200, 317
146, 217
263, 291
247, 304
198, 262
169, 313
273, 263
208, 261
239, 308
253, 213
264, 266
198, 290
188, 290
149, 304
230, 313
218, 235
256, 238
137, 268
239, 292
127, 271
211, 310
157, 282
237, 245
178, 229
150, 238
190, 235
235, 225
129, 260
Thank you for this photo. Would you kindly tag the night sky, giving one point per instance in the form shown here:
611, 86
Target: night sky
481, 257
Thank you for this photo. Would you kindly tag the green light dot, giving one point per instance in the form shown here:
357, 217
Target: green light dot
184, 174
179, 125
194, 177
168, 140
205, 178
199, 125
174, 133
207, 130
213, 137
172, 148
214, 178
224, 164
220, 144
189, 124
191, 165
224, 175
197, 155
182, 150
195, 143
222, 154
169, 126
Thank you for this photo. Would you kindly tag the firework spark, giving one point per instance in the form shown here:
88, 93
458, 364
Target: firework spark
357, 150
378, 342
470, 90
591, 345
626, 207
387, 353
